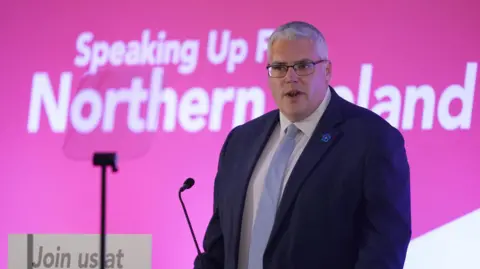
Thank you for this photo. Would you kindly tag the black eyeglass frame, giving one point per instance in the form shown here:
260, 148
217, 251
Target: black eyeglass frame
295, 67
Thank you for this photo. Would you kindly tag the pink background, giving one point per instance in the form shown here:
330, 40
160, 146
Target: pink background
49, 186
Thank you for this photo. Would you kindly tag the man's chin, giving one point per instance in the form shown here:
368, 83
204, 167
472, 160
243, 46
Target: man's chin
294, 114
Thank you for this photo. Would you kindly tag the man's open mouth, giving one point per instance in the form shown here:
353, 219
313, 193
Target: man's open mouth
293, 93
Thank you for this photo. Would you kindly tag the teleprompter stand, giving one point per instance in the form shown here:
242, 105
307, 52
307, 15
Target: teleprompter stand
104, 160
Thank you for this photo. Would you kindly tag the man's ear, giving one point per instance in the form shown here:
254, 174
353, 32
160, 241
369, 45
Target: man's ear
328, 71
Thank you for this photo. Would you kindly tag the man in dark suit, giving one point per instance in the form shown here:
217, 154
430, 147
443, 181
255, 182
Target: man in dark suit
318, 183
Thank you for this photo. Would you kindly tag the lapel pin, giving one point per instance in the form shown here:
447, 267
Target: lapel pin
326, 138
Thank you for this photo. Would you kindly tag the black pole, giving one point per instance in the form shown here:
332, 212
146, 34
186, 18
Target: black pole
104, 160
103, 218
189, 223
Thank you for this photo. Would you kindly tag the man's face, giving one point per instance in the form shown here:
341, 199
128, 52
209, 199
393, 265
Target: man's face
297, 96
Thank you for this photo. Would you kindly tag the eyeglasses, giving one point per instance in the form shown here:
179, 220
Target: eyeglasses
302, 68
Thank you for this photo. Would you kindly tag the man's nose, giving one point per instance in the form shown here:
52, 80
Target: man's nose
291, 75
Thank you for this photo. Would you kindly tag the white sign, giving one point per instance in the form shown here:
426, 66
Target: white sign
76, 251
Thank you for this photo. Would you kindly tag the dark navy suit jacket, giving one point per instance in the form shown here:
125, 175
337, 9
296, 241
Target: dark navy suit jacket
346, 204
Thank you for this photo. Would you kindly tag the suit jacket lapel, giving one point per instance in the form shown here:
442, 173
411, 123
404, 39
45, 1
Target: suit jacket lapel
324, 137
241, 182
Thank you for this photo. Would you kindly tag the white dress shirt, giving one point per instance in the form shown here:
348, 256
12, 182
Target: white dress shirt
306, 126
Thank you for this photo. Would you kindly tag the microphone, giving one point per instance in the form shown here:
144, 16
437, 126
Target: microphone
187, 185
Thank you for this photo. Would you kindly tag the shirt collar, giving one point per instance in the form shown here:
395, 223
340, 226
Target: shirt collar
308, 125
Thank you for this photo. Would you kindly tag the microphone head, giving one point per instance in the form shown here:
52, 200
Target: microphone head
189, 182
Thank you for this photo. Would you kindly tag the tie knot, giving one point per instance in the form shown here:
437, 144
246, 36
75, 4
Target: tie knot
292, 131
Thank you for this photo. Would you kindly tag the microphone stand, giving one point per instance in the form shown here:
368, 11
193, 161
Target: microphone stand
188, 220
103, 217
104, 160
187, 185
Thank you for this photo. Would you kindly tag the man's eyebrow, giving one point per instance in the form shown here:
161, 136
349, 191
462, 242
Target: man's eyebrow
296, 62
278, 63
303, 60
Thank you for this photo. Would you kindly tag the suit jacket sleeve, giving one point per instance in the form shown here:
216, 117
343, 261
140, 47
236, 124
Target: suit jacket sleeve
213, 244
386, 227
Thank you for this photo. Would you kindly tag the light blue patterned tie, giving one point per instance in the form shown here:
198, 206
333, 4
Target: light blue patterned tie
269, 199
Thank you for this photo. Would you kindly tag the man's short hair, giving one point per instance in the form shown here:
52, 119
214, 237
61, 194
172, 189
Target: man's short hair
297, 30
